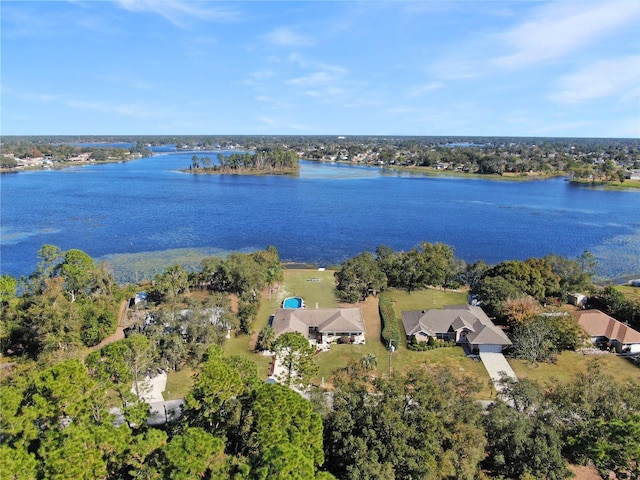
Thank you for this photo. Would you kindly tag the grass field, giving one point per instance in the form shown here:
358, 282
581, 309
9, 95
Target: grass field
571, 364
629, 291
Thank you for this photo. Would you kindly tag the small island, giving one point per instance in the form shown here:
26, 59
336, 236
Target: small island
265, 161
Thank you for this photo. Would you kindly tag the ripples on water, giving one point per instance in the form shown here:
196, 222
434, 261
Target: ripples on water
328, 213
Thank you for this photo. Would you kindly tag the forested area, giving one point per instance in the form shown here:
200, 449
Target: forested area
57, 394
263, 160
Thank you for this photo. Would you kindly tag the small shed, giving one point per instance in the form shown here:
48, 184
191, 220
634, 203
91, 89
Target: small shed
577, 299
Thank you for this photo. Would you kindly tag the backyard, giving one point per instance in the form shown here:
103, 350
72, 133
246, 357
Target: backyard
318, 288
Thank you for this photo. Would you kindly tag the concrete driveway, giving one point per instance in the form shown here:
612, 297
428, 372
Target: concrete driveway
152, 388
496, 365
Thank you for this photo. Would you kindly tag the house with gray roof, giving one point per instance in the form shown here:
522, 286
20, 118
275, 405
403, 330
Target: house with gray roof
462, 324
323, 325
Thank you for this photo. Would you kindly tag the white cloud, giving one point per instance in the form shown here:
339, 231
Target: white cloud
618, 77
559, 29
313, 80
402, 109
133, 110
178, 12
268, 120
323, 75
422, 89
287, 37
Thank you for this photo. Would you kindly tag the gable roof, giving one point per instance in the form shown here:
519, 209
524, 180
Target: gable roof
599, 324
327, 320
486, 335
455, 318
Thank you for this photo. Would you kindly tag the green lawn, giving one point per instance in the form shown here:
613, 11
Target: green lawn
178, 384
426, 299
632, 293
313, 286
570, 364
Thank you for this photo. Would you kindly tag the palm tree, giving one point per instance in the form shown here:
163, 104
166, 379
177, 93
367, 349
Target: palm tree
274, 274
266, 337
369, 361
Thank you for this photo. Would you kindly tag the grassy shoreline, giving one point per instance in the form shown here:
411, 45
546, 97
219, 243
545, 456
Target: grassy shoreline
629, 185
211, 171
63, 165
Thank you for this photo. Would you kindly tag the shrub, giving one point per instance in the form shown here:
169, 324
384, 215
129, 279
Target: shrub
345, 340
431, 344
390, 327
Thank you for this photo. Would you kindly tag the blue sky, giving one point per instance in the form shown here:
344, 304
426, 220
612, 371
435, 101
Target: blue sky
523, 68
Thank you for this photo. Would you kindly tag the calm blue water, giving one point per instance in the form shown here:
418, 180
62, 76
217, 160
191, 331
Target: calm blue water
328, 214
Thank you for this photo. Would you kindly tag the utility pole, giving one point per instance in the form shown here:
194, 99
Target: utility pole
392, 349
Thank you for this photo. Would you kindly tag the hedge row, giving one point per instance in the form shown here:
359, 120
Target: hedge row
432, 344
390, 327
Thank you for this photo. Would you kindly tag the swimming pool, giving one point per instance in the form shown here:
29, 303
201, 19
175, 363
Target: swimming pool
293, 302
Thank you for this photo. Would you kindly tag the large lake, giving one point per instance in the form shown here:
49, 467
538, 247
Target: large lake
327, 214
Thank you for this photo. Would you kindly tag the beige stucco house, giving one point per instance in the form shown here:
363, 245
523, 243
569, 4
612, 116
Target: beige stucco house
323, 325
462, 324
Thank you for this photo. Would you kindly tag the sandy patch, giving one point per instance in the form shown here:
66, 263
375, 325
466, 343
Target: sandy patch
152, 388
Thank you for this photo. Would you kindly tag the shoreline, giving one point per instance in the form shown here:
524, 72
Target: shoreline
628, 185
210, 171
83, 163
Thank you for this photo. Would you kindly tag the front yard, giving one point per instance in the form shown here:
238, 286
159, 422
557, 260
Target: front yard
570, 364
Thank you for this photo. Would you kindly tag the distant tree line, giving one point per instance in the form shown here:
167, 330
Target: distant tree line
61, 152
592, 159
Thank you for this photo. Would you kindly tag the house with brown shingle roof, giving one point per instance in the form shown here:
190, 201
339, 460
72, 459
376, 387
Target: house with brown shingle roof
605, 330
323, 325
456, 323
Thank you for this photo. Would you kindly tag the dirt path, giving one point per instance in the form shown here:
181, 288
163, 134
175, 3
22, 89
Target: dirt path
119, 333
